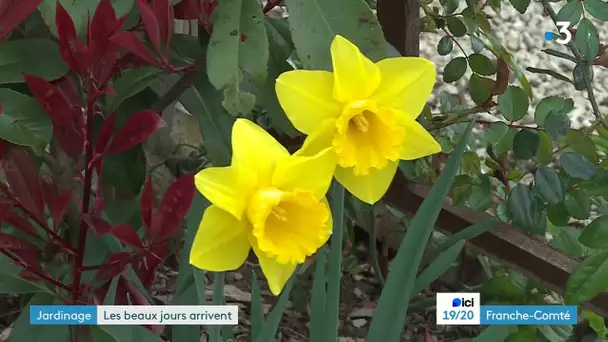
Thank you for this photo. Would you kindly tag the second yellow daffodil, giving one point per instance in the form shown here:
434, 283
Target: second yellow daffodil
266, 200
366, 112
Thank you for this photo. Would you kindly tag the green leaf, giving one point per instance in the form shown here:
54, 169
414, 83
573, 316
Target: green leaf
129, 83
587, 40
582, 143
578, 76
577, 166
449, 5
237, 102
188, 289
545, 149
578, 204
79, 11
318, 311
520, 5
131, 333
557, 125
588, 279
101, 335
482, 65
558, 214
257, 311
595, 235
387, 323
501, 136
478, 90
567, 241
443, 262
204, 102
335, 261
315, 23
525, 144
445, 45
551, 103
571, 12
454, 70
25, 332
513, 103
239, 32
524, 211
477, 44
274, 317
23, 121
466, 234
481, 198
596, 322
456, 26
495, 333
23, 56
550, 185
551, 73
461, 189
597, 8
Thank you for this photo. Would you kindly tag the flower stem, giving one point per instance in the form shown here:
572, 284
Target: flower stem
335, 262
86, 198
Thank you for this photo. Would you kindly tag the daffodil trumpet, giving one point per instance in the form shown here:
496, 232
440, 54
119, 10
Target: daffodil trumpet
366, 112
267, 201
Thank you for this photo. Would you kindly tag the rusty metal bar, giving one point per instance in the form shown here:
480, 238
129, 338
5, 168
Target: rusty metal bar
503, 243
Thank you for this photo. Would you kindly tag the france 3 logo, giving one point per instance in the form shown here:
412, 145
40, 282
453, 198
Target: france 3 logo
458, 308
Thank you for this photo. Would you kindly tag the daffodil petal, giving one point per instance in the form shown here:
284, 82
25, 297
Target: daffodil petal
255, 151
418, 142
313, 173
225, 187
355, 76
406, 84
320, 139
276, 274
221, 242
306, 97
368, 188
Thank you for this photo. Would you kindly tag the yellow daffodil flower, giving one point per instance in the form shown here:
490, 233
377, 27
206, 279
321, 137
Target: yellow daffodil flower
266, 200
366, 111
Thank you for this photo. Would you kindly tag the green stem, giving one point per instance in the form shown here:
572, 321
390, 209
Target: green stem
335, 262
372, 247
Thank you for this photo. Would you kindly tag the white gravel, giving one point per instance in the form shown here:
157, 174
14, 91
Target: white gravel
523, 36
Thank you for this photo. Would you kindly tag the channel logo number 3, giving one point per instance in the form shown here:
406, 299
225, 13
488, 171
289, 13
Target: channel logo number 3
565, 34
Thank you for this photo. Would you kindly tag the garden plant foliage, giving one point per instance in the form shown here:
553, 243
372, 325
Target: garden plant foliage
306, 121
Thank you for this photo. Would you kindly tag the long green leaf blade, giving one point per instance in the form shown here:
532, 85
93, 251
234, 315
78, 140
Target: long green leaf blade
387, 322
436, 269
318, 300
218, 299
274, 317
335, 263
257, 311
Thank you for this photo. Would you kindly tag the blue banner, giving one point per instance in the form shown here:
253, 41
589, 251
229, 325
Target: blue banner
63, 314
528, 314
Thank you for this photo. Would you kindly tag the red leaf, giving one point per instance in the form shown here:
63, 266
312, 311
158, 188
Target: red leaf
502, 77
125, 233
9, 216
147, 204
129, 41
102, 27
99, 225
114, 266
60, 205
23, 178
165, 17
12, 13
12, 242
151, 24
73, 52
68, 121
145, 265
30, 257
137, 129
189, 9
30, 276
172, 209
